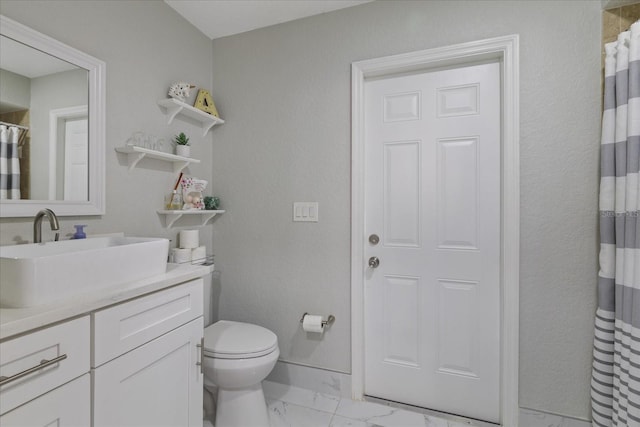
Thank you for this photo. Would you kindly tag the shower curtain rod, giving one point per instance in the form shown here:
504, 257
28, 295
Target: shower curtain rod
14, 125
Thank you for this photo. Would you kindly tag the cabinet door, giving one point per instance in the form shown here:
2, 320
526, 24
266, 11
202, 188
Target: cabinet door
157, 384
65, 406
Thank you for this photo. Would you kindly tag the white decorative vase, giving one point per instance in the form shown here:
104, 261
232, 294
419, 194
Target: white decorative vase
183, 150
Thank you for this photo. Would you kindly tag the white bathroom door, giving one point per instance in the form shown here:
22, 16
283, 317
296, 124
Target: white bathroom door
432, 198
76, 160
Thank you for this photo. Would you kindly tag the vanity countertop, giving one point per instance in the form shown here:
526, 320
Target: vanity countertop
16, 321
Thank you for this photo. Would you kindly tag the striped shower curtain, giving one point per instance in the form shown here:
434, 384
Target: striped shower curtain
9, 162
615, 378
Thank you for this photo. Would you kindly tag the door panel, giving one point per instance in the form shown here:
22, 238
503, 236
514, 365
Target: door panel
456, 300
401, 327
457, 193
432, 194
402, 193
76, 162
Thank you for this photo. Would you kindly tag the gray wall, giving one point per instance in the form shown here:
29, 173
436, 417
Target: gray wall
284, 92
14, 91
146, 47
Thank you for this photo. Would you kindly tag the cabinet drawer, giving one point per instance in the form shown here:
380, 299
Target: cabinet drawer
66, 406
126, 326
70, 339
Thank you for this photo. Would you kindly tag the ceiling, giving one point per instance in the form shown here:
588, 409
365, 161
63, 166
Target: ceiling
220, 18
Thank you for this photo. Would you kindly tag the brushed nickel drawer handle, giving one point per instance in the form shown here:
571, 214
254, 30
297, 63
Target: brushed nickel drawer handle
43, 364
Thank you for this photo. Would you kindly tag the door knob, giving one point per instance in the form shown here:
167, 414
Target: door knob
374, 239
374, 262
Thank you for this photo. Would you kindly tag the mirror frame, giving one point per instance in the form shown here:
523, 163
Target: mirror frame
96, 204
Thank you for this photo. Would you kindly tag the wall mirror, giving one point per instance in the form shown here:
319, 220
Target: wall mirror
52, 125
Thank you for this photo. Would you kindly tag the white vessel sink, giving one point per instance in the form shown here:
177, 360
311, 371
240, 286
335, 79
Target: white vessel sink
41, 273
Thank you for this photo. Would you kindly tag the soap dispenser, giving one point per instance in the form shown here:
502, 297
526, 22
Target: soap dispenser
79, 232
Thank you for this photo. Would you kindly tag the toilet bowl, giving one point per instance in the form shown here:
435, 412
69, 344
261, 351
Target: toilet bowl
237, 357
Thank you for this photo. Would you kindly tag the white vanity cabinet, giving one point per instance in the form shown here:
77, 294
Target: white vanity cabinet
46, 377
146, 360
130, 363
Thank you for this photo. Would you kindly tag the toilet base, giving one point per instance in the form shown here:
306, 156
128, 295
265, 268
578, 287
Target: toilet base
242, 408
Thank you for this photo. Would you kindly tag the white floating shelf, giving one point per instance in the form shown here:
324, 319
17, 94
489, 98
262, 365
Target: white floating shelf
175, 107
170, 217
135, 154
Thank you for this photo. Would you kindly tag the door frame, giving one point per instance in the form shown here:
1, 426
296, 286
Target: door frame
75, 112
504, 50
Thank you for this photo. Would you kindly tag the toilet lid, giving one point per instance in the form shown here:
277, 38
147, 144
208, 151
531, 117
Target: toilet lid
236, 340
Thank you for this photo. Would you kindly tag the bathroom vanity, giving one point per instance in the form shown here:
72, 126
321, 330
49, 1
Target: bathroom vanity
130, 355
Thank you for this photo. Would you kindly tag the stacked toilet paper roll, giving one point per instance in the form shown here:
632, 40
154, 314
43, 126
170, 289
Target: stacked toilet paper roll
189, 249
181, 255
189, 239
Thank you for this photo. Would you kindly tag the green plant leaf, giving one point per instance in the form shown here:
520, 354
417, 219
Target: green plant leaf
181, 139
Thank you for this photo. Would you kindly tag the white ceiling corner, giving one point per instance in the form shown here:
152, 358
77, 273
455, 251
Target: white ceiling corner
220, 18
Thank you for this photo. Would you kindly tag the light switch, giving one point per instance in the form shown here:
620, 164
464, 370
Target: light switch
305, 211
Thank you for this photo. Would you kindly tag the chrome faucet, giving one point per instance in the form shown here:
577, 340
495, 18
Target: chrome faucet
37, 224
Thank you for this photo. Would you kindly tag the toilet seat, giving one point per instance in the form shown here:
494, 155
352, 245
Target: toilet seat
226, 339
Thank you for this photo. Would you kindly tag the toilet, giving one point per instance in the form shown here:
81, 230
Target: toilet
237, 357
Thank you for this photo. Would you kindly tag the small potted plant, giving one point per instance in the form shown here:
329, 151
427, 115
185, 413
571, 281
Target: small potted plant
182, 145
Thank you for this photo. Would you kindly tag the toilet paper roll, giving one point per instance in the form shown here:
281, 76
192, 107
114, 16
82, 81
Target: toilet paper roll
199, 253
312, 323
181, 255
189, 239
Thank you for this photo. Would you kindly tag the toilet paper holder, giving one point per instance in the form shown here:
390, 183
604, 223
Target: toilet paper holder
329, 320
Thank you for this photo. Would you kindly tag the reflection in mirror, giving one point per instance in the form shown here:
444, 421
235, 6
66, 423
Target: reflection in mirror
47, 98
51, 125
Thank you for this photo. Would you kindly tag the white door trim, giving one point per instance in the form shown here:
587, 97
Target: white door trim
506, 51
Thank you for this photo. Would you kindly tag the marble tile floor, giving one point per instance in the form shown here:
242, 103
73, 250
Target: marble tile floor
297, 407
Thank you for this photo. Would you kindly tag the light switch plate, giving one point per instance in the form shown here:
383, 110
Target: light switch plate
305, 211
